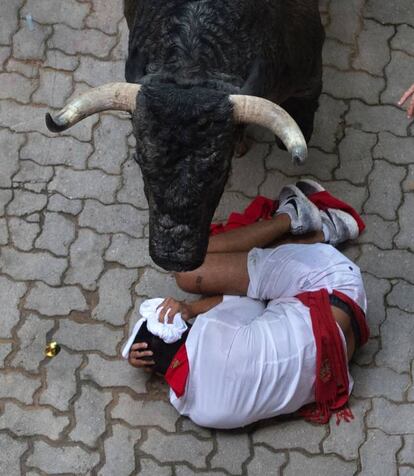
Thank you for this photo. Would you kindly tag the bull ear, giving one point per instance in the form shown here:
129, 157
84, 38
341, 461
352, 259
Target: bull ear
109, 97
256, 110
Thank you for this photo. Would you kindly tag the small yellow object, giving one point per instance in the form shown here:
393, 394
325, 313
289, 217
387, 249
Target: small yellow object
175, 364
52, 349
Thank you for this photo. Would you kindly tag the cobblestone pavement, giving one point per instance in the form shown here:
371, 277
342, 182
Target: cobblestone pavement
74, 264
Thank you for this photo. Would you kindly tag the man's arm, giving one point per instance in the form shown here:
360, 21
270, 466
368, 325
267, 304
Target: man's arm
188, 310
408, 94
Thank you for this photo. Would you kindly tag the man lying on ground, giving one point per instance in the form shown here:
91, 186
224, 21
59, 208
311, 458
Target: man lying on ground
284, 346
409, 94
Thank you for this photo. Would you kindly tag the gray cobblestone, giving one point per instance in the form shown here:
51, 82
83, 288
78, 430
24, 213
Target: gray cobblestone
61, 384
57, 234
30, 45
397, 150
59, 203
55, 59
18, 386
345, 20
398, 77
32, 342
404, 39
406, 455
154, 283
336, 54
95, 72
105, 16
150, 468
4, 233
246, 173
121, 49
376, 290
15, 86
408, 184
89, 409
86, 262
378, 231
67, 459
32, 176
29, 69
139, 413
54, 88
10, 459
132, 190
10, 144
393, 11
55, 301
405, 238
231, 201
168, 448
8, 14
378, 454
5, 198
10, 294
379, 382
5, 350
365, 355
130, 252
401, 296
23, 233
115, 373
26, 421
5, 52
25, 203
318, 465
406, 471
265, 463
70, 12
237, 446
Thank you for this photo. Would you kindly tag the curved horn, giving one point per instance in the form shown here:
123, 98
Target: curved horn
111, 96
255, 110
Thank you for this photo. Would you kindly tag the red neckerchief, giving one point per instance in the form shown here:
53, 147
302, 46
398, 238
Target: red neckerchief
177, 373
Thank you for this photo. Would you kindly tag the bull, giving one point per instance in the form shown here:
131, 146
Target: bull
196, 72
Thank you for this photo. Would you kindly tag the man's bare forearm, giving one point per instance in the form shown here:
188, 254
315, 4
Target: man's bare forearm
203, 305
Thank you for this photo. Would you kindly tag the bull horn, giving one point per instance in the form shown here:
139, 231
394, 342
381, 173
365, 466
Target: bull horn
256, 110
111, 96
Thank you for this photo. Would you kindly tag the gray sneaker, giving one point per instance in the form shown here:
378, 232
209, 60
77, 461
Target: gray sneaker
304, 215
341, 226
309, 187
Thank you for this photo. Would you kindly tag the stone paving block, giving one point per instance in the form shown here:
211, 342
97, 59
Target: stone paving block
345, 439
27, 68
406, 471
336, 54
88, 337
384, 189
56, 151
62, 459
18, 386
5, 52
352, 85
23, 233
32, 335
25, 203
392, 418
10, 145
376, 118
376, 290
69, 12
119, 452
33, 218
61, 384
236, 201
8, 14
146, 413
105, 16
378, 454
236, 445
185, 424
5, 198
86, 41
291, 434
130, 252
54, 88
408, 184
15, 86
318, 465
120, 52
10, 459
405, 238
5, 350
59, 203
397, 349
378, 231
355, 156
366, 355
186, 471
110, 136
57, 235
10, 294
401, 296
132, 190
406, 455
86, 262
55, 301
379, 382
373, 52
4, 233
387, 264
95, 72
113, 218
171, 448
266, 463
28, 421
397, 150
327, 128
319, 164
89, 415
32, 176
154, 283
398, 79
355, 195
392, 11
55, 59
404, 39
84, 184
345, 20
248, 171
114, 296
150, 468
114, 373
30, 45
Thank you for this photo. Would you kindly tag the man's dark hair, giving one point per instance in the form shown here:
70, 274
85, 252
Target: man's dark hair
163, 353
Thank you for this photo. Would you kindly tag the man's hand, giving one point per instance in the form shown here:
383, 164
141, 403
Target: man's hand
172, 306
136, 356
409, 93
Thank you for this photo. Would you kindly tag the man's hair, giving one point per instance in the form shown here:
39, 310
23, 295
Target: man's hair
163, 353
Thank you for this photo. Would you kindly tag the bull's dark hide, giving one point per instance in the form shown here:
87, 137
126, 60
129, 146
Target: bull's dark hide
189, 55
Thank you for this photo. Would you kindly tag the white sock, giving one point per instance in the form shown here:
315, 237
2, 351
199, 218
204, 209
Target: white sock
326, 233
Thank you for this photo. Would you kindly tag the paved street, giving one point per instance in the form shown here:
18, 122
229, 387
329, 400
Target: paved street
74, 264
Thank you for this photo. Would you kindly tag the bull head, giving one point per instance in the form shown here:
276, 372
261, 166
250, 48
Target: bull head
183, 188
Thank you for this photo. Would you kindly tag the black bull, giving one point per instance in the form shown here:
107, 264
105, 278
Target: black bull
195, 71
